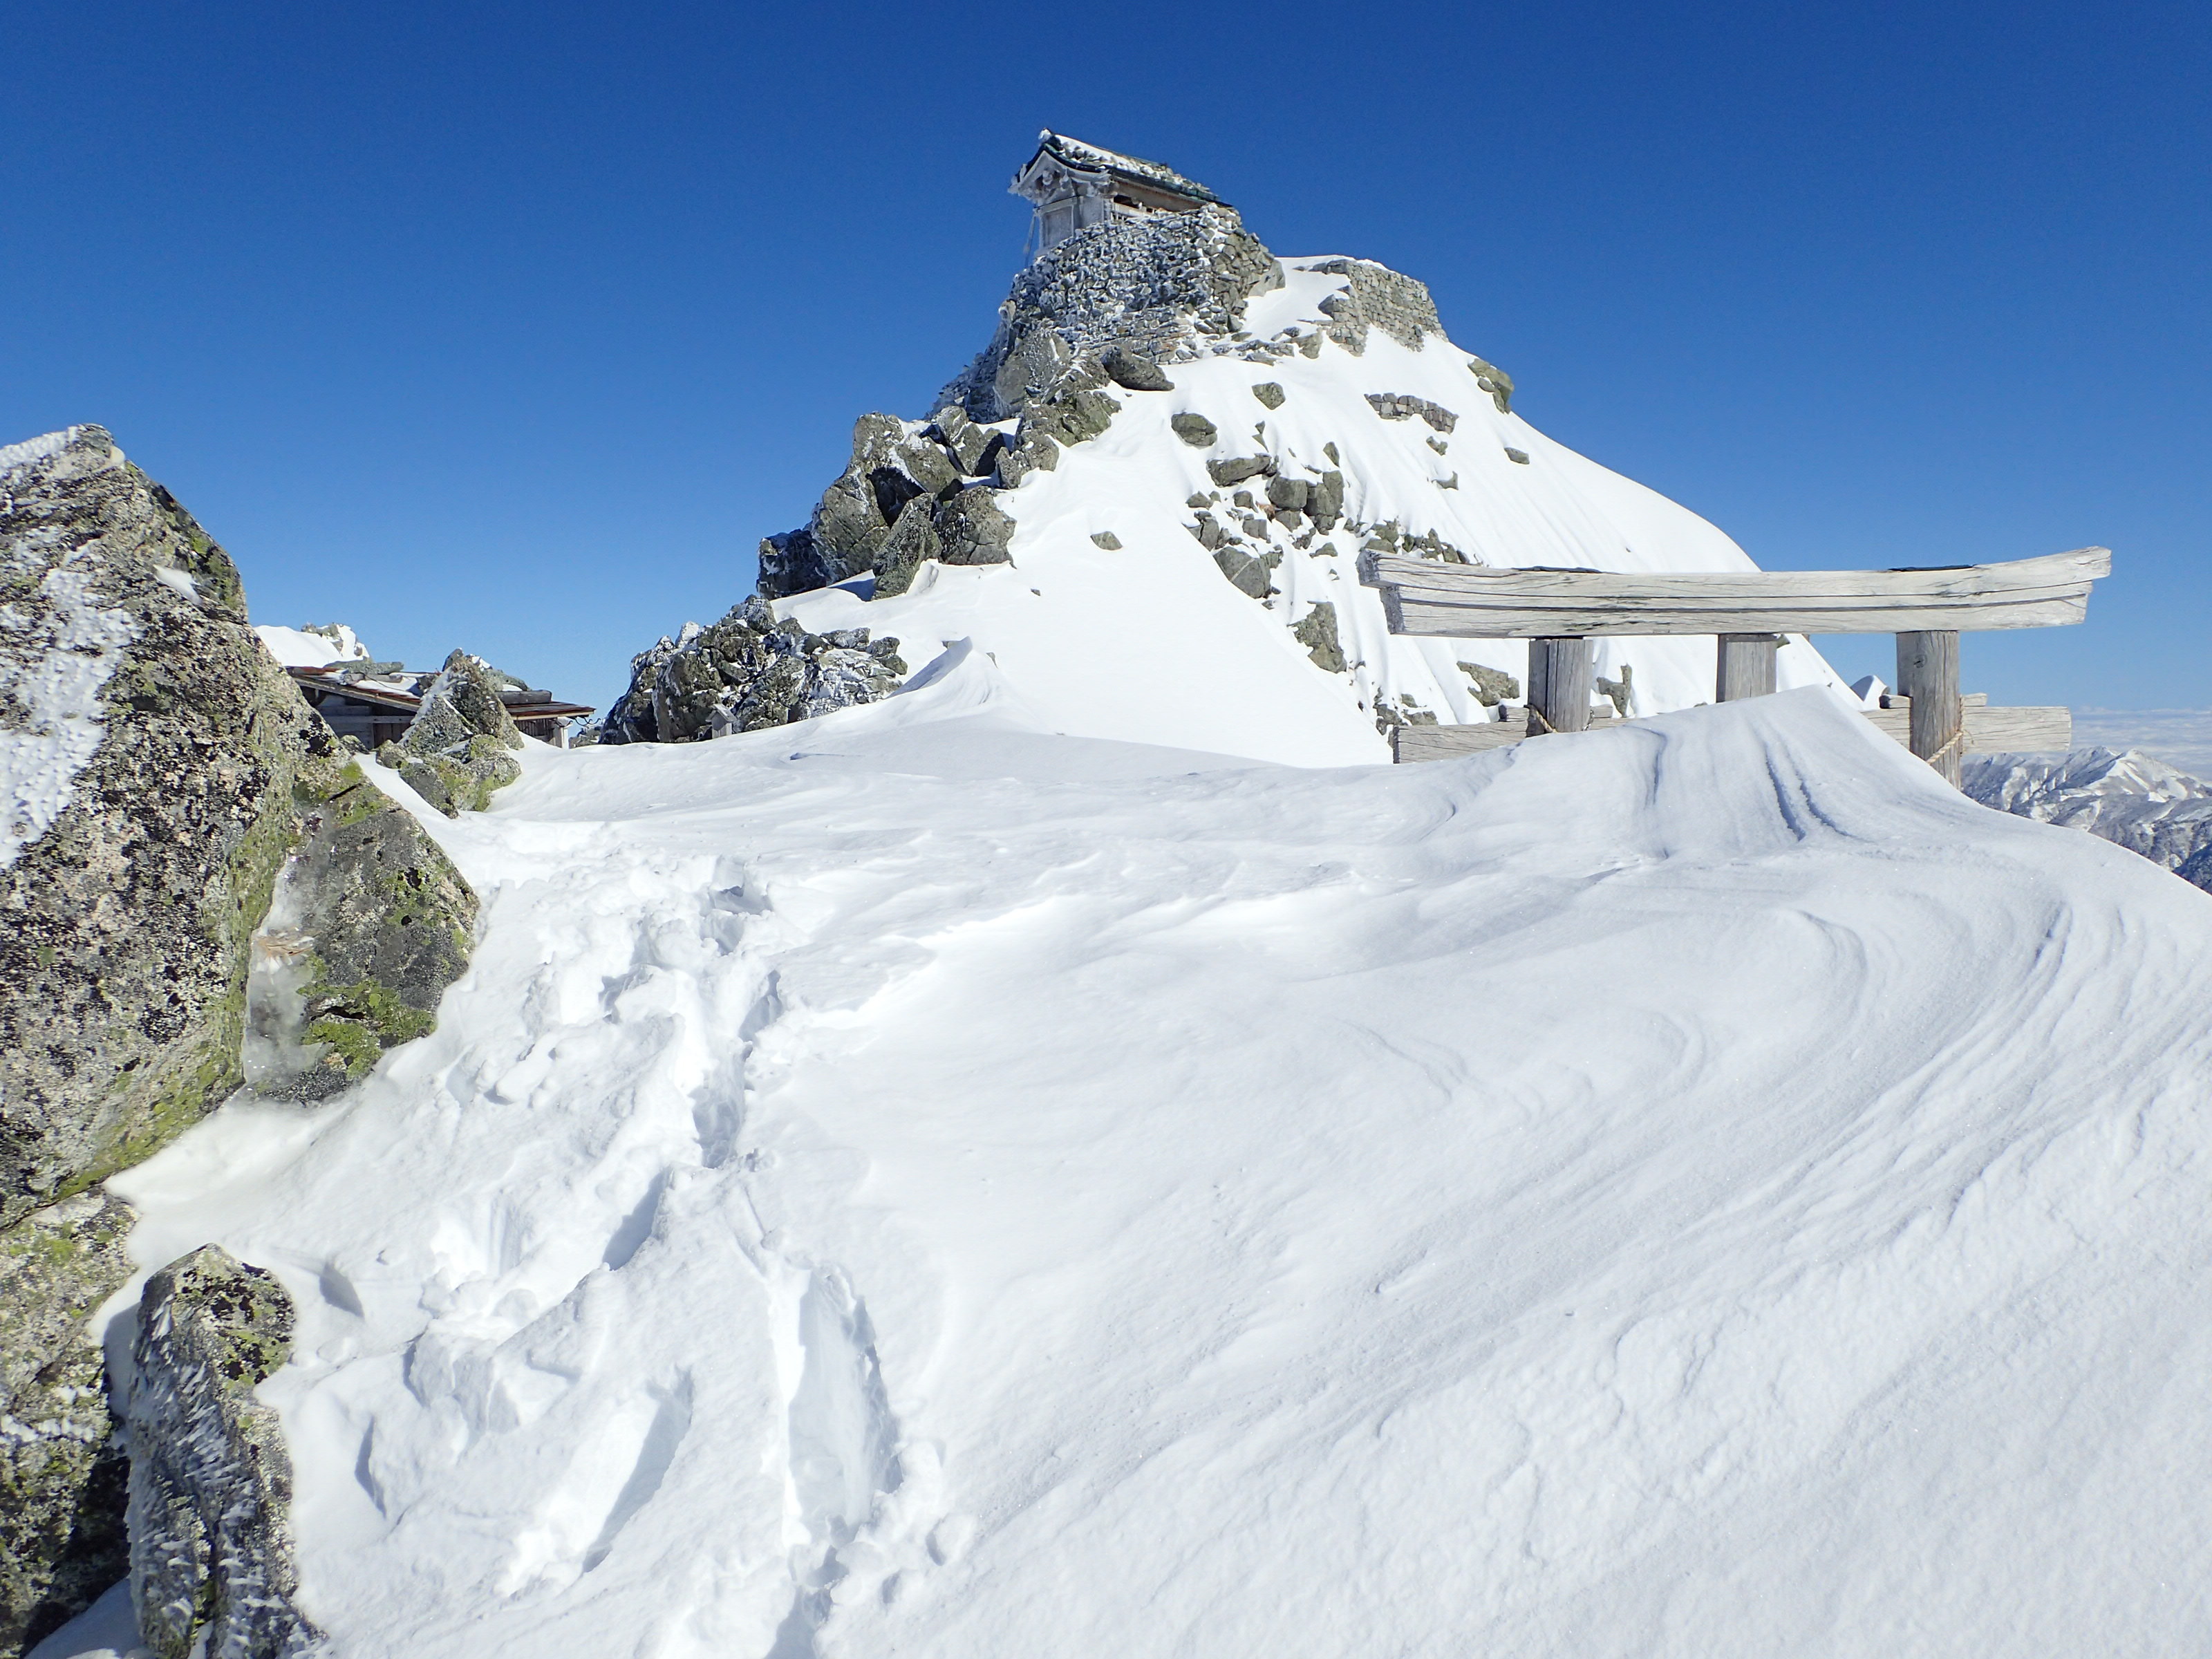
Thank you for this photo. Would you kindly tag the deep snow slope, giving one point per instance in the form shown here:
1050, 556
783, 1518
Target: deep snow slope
912, 1183
1185, 652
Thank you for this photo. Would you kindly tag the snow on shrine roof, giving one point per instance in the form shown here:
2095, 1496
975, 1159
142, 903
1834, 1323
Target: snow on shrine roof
1074, 153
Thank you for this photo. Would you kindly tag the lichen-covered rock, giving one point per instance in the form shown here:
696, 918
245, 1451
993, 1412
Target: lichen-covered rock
1075, 411
1133, 371
1497, 382
1195, 429
1325, 502
1316, 631
455, 751
1237, 468
1269, 392
972, 530
749, 671
144, 863
1377, 297
1492, 686
213, 1569
1397, 406
1108, 540
1246, 573
972, 447
371, 922
892, 464
914, 542
61, 1470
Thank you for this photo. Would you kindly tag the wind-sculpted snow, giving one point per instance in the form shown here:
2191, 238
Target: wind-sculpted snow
910, 1183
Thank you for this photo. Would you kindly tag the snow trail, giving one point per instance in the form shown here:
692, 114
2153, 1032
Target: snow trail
913, 1183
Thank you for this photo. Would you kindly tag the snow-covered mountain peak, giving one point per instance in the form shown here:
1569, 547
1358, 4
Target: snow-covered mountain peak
1147, 498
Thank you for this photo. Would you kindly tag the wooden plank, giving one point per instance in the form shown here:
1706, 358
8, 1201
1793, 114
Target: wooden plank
1427, 743
1747, 666
1928, 676
1988, 732
1991, 731
1560, 684
1480, 602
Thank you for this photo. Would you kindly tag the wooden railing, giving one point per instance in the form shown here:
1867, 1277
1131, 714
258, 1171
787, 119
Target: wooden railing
1559, 611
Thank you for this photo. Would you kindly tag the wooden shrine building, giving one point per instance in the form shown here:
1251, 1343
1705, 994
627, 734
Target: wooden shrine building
1074, 186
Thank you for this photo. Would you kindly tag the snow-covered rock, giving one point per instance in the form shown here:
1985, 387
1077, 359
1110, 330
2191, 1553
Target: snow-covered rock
211, 1559
455, 751
751, 671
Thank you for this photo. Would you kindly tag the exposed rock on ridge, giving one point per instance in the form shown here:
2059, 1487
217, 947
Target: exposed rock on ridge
122, 964
1153, 287
370, 923
154, 755
455, 753
922, 480
747, 672
1378, 297
213, 1569
62, 1471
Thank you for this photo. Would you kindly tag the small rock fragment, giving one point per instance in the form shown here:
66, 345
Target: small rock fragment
1134, 370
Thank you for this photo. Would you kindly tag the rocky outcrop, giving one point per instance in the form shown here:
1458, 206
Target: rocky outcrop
213, 1569
1133, 371
457, 749
62, 1471
1106, 308
370, 923
160, 767
1496, 381
138, 879
1376, 298
888, 511
1316, 631
2127, 798
1150, 287
1492, 686
1386, 537
1396, 406
747, 672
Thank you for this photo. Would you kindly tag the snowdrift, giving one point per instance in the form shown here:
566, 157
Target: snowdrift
919, 1184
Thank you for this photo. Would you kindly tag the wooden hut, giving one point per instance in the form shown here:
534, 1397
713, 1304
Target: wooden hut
376, 709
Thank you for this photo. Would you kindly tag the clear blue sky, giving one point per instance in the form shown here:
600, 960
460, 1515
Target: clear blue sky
516, 326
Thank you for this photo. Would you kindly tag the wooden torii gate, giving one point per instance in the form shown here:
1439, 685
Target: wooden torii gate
1559, 611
